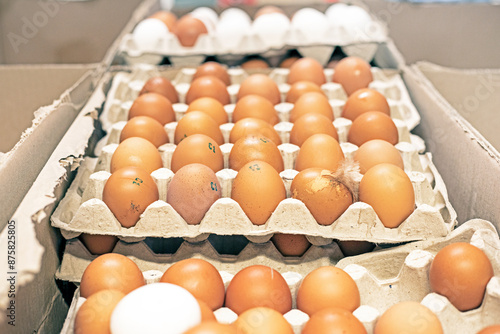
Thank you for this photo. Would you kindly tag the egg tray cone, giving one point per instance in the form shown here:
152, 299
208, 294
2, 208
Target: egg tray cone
388, 277
128, 82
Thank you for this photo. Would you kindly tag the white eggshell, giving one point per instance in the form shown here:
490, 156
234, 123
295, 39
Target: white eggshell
336, 12
271, 28
156, 308
206, 12
230, 33
235, 14
311, 23
148, 33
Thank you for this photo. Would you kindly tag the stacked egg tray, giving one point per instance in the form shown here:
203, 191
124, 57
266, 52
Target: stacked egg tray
353, 41
384, 277
83, 211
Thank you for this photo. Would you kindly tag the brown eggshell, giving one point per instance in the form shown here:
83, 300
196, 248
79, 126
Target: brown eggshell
128, 192
377, 151
402, 318
207, 86
310, 124
307, 69
291, 244
258, 189
94, 315
138, 152
301, 87
153, 105
99, 244
188, 29
210, 106
260, 84
253, 147
197, 148
162, 86
268, 10
147, 128
212, 327
355, 247
326, 198
255, 106
262, 320
254, 64
166, 17
389, 191
352, 73
333, 320
319, 150
206, 313
495, 329
312, 102
288, 62
373, 125
214, 69
192, 191
253, 126
364, 100
198, 122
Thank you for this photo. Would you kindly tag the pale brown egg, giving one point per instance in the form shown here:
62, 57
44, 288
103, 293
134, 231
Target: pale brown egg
494, 329
352, 73
307, 69
255, 106
301, 87
197, 122
192, 191
207, 315
253, 147
268, 10
128, 192
138, 152
212, 327
325, 197
312, 102
373, 125
389, 191
377, 151
208, 86
197, 148
253, 126
210, 106
147, 128
333, 320
188, 29
402, 318
215, 69
311, 124
262, 320
254, 63
260, 84
166, 17
319, 150
94, 315
364, 100
258, 189
291, 244
153, 105
288, 61
162, 86
99, 244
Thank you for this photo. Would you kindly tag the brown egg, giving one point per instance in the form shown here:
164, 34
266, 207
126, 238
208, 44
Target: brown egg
301, 87
377, 151
138, 152
268, 10
128, 192
260, 84
258, 189
352, 73
408, 317
312, 102
212, 327
291, 244
147, 128
364, 100
460, 272
256, 286
153, 105
355, 247
495, 329
333, 320
306, 69
215, 69
389, 191
319, 150
327, 287
373, 125
162, 86
198, 122
99, 244
192, 191
197, 148
325, 197
288, 62
310, 124
208, 86
95, 313
166, 17
200, 278
253, 126
188, 29
254, 64
262, 320
111, 271
255, 106
253, 147
210, 106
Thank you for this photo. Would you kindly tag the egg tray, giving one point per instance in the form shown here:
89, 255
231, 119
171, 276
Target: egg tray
126, 85
83, 211
409, 265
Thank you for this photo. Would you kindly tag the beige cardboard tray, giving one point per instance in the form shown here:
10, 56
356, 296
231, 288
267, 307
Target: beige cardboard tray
127, 84
410, 264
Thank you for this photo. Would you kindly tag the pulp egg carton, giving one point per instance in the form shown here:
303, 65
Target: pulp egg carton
126, 86
83, 211
377, 295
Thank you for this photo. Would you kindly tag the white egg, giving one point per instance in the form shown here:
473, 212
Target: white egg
148, 34
272, 29
156, 308
207, 13
230, 33
358, 17
311, 23
235, 14
336, 12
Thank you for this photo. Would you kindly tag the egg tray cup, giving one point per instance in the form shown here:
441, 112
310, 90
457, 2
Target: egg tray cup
412, 261
83, 211
126, 85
